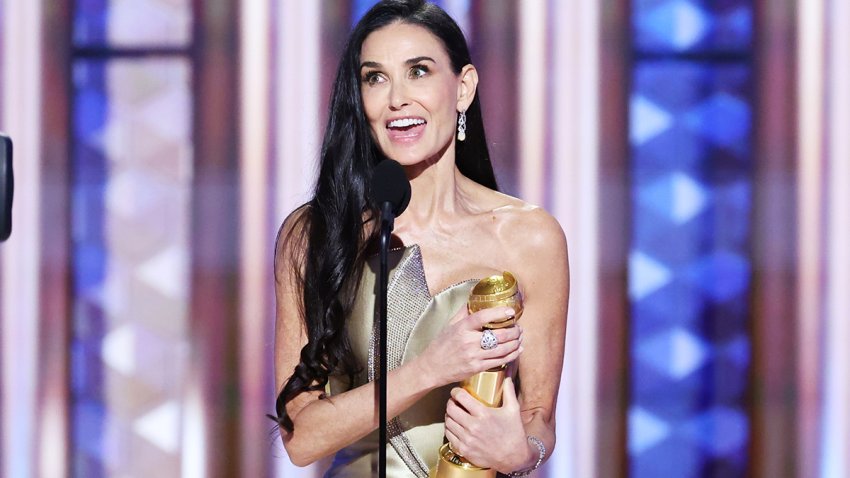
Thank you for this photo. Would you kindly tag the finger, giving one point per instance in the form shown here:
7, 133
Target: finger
454, 442
508, 333
501, 350
457, 413
454, 427
509, 398
494, 314
503, 337
468, 402
487, 364
507, 341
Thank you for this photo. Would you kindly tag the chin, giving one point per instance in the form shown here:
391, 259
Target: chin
405, 158
414, 156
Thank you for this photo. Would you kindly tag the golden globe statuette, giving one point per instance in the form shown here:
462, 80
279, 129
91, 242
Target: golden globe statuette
500, 290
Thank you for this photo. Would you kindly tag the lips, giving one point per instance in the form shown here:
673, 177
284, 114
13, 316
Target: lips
406, 130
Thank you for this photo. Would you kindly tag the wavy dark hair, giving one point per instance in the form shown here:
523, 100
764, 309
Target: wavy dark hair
329, 230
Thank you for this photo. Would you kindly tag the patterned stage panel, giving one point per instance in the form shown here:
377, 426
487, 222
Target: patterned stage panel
132, 173
689, 265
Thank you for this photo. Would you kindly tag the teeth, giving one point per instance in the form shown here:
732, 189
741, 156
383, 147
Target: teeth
405, 122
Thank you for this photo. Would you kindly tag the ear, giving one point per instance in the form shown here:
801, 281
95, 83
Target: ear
467, 87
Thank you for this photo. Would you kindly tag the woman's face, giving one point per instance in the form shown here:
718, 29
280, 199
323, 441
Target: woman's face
410, 93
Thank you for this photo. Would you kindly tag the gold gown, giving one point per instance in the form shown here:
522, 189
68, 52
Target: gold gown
414, 320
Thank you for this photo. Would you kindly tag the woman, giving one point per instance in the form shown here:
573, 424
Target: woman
406, 90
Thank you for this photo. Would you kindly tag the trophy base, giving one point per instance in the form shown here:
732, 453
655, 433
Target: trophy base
451, 465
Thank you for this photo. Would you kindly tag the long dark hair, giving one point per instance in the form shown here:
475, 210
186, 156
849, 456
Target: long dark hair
332, 228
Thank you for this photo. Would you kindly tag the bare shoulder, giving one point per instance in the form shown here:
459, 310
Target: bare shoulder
291, 241
525, 228
529, 242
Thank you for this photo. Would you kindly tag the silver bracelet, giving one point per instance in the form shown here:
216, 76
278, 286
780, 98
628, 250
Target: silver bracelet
541, 448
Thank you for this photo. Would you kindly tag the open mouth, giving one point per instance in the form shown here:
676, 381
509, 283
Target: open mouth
405, 123
406, 129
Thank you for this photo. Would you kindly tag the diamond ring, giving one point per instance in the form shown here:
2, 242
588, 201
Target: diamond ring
488, 340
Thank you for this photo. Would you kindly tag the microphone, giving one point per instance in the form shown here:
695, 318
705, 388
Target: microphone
7, 187
390, 185
391, 191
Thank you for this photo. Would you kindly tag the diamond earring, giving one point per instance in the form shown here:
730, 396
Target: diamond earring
461, 126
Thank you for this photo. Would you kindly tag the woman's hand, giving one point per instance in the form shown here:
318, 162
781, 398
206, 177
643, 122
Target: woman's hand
489, 437
456, 353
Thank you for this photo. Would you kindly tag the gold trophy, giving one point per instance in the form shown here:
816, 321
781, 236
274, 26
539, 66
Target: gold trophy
498, 290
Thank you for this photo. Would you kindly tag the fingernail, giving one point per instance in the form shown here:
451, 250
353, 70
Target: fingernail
510, 312
521, 348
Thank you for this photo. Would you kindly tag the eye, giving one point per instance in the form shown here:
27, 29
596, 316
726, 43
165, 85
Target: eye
372, 78
418, 71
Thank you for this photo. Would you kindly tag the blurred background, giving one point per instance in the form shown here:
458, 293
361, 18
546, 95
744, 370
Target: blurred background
696, 152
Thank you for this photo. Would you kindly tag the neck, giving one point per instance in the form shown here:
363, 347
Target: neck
436, 192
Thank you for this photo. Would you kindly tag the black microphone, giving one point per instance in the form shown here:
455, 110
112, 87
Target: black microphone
7, 187
391, 191
390, 185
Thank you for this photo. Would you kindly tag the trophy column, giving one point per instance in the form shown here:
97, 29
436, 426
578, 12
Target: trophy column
499, 290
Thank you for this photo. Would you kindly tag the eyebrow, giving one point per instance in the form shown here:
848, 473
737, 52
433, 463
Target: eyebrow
410, 62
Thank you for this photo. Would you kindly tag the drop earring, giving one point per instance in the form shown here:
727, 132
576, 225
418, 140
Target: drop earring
461, 126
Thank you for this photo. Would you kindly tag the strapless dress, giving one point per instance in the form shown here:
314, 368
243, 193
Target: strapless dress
414, 320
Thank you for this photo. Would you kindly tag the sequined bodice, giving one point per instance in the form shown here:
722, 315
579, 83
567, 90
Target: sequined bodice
414, 319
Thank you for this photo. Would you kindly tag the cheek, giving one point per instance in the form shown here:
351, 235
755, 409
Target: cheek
446, 98
371, 106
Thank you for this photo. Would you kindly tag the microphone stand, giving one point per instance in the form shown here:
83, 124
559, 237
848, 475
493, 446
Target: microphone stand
387, 224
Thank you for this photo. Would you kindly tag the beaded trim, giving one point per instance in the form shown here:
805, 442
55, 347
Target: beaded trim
407, 299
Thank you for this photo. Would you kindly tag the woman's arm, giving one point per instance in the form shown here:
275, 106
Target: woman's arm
323, 426
540, 262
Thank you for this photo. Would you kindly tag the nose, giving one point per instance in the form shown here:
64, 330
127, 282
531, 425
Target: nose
398, 96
